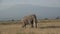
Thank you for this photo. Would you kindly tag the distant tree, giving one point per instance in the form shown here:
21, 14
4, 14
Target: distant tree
12, 19
46, 18
57, 17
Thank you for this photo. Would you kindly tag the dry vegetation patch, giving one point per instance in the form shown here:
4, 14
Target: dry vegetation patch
46, 27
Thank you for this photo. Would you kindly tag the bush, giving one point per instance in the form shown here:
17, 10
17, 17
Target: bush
46, 18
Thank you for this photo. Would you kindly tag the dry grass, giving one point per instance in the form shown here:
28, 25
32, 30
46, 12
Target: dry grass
44, 27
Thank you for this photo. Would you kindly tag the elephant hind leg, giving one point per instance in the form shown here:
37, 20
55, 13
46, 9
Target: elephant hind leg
32, 24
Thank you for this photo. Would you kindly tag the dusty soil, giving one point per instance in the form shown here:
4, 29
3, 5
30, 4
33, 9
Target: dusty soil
43, 28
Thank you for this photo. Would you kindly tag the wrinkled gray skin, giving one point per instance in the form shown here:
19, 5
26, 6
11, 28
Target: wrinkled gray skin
31, 19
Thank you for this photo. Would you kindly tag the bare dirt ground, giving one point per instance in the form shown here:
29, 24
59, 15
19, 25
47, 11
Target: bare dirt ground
43, 28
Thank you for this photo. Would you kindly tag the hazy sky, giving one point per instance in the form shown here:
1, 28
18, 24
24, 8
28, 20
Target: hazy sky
9, 7
51, 3
48, 3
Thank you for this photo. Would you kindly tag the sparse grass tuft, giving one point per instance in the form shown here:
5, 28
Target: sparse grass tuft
25, 33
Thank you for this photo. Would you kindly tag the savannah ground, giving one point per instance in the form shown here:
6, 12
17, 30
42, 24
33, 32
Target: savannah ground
44, 27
